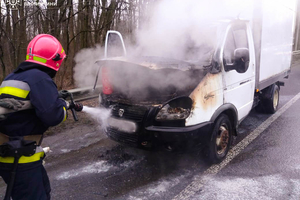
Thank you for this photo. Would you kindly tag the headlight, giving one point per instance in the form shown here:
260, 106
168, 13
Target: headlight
177, 109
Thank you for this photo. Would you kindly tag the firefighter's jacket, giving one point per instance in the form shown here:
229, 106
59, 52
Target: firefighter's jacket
30, 82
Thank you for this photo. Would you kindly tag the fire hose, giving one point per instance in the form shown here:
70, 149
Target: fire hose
27, 105
73, 106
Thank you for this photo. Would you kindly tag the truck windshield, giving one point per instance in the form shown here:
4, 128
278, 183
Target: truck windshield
200, 48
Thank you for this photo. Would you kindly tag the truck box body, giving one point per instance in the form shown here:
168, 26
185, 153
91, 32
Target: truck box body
276, 48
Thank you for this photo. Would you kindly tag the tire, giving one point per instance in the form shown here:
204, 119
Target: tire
221, 138
271, 104
270, 100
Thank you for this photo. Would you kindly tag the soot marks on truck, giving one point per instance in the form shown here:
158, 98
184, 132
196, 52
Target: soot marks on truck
204, 95
208, 96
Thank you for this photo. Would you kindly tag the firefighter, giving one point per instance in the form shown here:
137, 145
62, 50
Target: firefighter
21, 132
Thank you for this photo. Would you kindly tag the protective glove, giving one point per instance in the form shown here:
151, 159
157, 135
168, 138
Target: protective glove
64, 94
67, 104
11, 103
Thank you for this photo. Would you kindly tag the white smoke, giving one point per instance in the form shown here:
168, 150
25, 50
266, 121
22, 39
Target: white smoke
99, 114
176, 24
176, 29
172, 26
85, 69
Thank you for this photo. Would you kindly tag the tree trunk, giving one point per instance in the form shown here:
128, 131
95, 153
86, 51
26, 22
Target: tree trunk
22, 34
108, 17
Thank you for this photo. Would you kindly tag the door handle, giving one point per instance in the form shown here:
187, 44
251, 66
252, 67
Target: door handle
241, 83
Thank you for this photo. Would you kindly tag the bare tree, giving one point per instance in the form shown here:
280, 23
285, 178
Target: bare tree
77, 25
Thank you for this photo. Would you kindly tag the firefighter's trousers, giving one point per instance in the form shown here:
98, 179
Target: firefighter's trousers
31, 181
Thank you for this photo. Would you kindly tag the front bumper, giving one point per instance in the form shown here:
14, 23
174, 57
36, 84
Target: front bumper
154, 135
190, 134
135, 125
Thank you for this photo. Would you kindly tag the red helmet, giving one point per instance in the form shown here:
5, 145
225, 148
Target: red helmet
45, 50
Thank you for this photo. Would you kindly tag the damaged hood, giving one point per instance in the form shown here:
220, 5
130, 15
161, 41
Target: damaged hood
154, 62
151, 79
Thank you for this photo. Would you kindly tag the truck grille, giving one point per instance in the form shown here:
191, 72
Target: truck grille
131, 112
122, 137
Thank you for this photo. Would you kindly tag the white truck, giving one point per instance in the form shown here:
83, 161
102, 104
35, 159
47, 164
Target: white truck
165, 101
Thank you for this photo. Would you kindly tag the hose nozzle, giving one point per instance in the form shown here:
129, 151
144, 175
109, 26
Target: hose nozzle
77, 107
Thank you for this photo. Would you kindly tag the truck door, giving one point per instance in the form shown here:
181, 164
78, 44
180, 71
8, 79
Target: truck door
114, 45
239, 81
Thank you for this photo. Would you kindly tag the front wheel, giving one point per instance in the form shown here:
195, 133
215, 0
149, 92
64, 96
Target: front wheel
220, 141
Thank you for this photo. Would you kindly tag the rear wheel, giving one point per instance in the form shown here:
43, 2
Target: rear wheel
220, 140
270, 100
271, 104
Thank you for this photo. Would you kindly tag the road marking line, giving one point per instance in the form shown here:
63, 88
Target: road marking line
196, 185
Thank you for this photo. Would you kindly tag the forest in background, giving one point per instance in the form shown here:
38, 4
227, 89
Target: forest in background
77, 24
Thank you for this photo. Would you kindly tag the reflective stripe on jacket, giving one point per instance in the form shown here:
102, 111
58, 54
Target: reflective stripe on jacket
23, 159
15, 88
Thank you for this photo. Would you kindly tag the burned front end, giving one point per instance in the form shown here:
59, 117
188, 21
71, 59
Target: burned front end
149, 101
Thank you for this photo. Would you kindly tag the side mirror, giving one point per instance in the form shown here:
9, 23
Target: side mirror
241, 61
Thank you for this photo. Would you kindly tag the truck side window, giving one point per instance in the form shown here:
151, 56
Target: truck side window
229, 48
236, 38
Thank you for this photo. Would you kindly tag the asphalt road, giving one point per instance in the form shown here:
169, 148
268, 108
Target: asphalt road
85, 164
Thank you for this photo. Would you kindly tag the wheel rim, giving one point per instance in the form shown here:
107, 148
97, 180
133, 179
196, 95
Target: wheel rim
222, 139
275, 99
